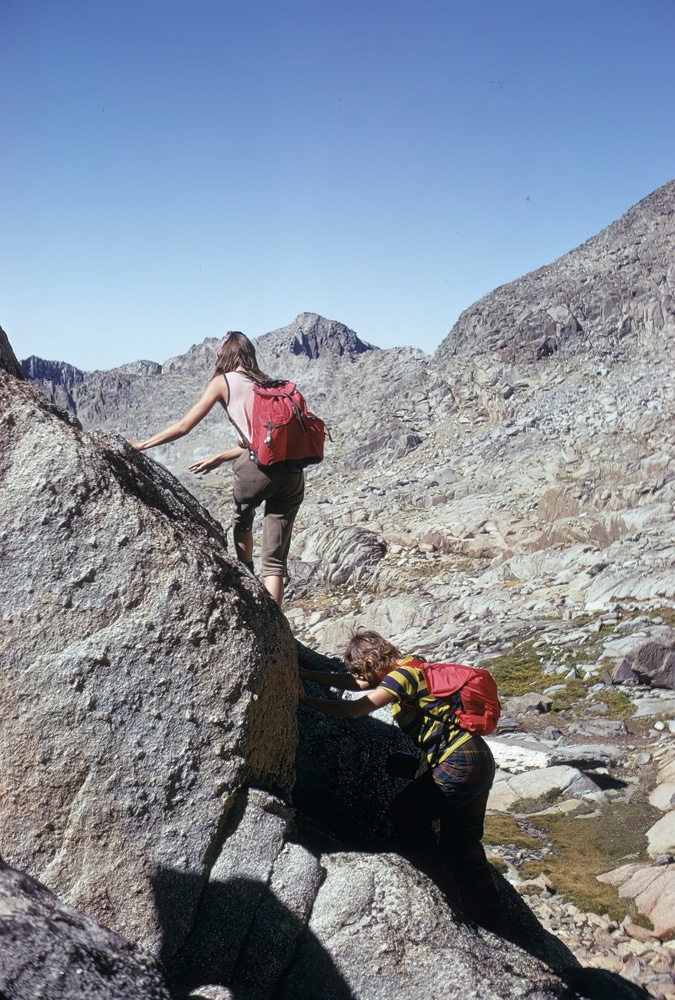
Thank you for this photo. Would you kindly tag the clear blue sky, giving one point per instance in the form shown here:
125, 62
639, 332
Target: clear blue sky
172, 169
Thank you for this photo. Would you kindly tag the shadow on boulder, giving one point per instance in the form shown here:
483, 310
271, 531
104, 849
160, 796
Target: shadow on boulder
246, 939
51, 950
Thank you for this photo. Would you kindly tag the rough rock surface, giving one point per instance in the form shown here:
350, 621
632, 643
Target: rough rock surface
652, 888
8, 360
146, 680
613, 292
148, 688
50, 950
312, 336
651, 662
384, 935
332, 757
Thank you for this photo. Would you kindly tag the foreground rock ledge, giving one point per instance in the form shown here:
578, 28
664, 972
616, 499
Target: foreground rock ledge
50, 950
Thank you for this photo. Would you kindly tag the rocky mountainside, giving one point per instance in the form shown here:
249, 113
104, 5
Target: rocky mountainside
312, 336
115, 399
611, 296
508, 502
8, 360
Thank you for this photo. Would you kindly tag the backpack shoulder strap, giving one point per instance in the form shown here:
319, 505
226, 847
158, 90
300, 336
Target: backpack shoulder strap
463, 736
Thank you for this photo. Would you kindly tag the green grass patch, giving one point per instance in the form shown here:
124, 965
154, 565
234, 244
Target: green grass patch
503, 829
585, 654
534, 805
619, 705
668, 615
519, 671
498, 863
665, 613
586, 847
575, 690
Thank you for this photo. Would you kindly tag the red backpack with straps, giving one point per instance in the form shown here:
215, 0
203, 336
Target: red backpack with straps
480, 708
282, 428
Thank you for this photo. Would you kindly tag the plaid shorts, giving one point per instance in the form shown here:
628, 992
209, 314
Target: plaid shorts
472, 763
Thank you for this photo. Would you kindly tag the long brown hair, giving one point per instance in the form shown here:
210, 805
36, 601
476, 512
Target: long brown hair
237, 351
369, 656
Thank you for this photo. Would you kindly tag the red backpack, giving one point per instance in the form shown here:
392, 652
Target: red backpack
480, 708
283, 429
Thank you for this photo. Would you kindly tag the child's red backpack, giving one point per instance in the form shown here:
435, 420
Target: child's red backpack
480, 708
283, 429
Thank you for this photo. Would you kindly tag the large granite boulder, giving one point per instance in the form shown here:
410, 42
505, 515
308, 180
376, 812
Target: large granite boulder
331, 557
148, 738
380, 929
649, 662
146, 679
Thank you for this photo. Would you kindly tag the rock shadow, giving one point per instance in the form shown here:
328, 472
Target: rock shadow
342, 786
244, 938
607, 781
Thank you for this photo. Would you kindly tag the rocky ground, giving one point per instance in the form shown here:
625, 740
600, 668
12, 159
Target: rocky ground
621, 945
599, 942
598, 748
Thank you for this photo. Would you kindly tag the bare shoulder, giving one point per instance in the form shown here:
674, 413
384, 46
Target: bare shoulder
217, 389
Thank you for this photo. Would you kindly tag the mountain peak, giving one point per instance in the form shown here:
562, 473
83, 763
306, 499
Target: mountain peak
314, 336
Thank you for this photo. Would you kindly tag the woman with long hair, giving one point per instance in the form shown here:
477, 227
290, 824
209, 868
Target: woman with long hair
281, 486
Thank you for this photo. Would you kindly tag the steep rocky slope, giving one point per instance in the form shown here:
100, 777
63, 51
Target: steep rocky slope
7, 357
611, 296
549, 467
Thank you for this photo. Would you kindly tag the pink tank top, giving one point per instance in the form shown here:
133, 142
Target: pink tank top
240, 405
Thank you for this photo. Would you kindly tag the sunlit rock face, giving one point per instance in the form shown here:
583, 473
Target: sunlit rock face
146, 681
613, 294
514, 493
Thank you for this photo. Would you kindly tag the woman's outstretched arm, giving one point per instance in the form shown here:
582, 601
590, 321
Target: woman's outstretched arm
213, 461
215, 392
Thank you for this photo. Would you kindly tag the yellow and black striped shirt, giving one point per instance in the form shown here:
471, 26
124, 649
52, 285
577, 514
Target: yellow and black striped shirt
429, 721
